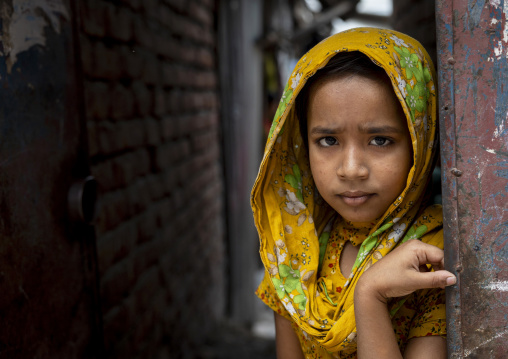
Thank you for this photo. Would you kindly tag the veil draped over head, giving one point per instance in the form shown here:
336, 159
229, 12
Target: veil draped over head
293, 221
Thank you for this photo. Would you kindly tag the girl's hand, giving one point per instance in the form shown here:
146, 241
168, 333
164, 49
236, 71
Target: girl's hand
405, 270
400, 273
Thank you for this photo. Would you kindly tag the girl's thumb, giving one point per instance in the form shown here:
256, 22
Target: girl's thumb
437, 279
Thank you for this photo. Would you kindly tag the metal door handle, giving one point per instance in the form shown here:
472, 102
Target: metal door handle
82, 198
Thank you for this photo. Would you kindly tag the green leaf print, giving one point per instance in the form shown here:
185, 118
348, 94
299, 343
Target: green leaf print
273, 127
426, 75
323, 241
296, 171
286, 96
365, 249
299, 298
413, 100
410, 63
295, 181
291, 283
299, 288
415, 233
284, 270
302, 305
279, 287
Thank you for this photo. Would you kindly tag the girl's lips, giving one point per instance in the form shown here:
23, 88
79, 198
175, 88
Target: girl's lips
355, 198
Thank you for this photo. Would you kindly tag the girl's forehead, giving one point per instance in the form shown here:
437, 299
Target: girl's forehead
362, 102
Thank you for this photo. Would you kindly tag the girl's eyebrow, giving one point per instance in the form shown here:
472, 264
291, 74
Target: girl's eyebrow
364, 128
326, 130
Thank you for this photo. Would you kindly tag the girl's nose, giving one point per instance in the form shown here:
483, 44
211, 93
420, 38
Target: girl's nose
352, 165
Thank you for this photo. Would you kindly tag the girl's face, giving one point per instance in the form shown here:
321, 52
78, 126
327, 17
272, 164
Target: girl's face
359, 146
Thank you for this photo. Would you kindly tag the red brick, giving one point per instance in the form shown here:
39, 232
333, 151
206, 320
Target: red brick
173, 102
160, 102
138, 200
117, 284
106, 137
208, 37
170, 180
171, 48
151, 73
87, 55
204, 121
142, 34
200, 13
130, 134
122, 102
153, 132
115, 322
141, 162
179, 5
155, 186
143, 332
170, 153
204, 57
150, 7
134, 61
147, 228
166, 210
108, 64
93, 146
168, 127
103, 173
133, 4
97, 99
190, 30
189, 53
143, 98
212, 100
119, 23
201, 141
210, 4
171, 74
123, 170
205, 80
116, 245
113, 209
92, 15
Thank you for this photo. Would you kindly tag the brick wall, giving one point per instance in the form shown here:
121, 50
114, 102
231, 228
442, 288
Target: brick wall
152, 114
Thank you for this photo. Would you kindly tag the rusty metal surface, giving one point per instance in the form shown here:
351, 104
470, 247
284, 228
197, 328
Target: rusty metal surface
48, 300
473, 84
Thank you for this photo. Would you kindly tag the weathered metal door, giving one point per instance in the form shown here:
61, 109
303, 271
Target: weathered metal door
473, 84
48, 292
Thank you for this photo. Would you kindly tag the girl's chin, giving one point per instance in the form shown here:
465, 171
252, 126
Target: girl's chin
361, 221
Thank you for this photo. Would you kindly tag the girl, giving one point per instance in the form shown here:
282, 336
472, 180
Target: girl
340, 201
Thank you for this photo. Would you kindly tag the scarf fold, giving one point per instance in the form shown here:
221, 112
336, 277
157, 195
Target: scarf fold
293, 221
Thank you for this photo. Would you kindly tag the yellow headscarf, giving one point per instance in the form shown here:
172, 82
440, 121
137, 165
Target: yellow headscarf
294, 223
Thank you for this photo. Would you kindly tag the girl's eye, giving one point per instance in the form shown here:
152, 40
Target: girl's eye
380, 141
327, 141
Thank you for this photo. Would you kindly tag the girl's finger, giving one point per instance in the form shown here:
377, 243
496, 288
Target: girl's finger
439, 279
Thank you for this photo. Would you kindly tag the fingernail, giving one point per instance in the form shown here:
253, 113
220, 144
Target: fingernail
451, 280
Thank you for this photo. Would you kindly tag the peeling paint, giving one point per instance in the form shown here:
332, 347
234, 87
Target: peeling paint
501, 49
494, 3
24, 24
473, 116
471, 351
499, 129
500, 286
